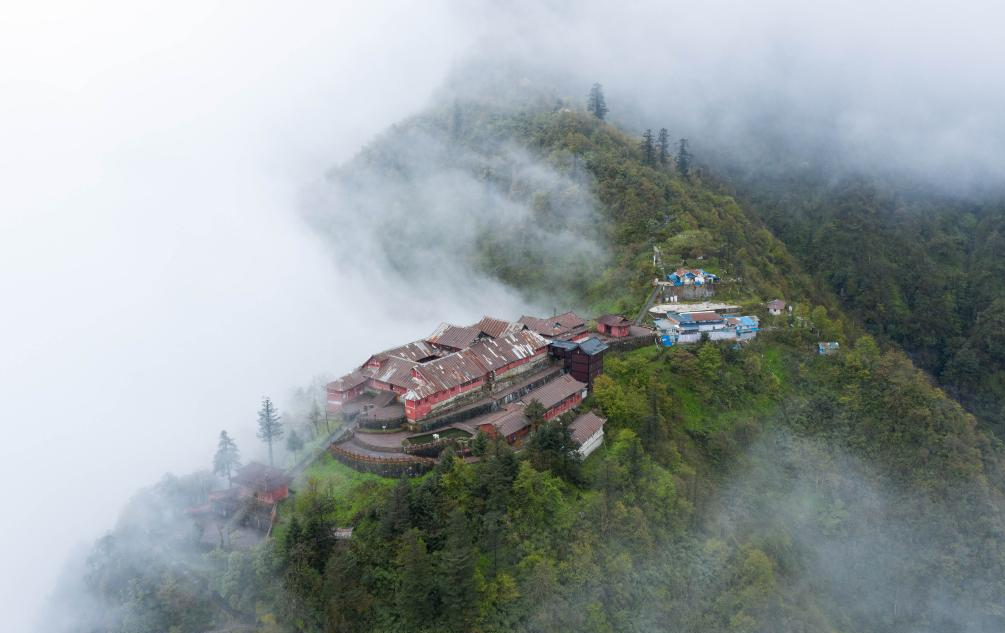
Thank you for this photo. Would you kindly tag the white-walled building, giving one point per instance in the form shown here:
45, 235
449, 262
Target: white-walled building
588, 431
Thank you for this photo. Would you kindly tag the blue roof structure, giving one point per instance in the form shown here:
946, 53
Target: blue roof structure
593, 346
566, 345
662, 324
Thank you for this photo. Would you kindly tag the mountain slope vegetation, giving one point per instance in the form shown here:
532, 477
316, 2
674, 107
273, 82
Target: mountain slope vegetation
921, 269
757, 489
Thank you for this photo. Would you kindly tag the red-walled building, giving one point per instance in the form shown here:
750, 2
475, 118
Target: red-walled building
441, 381
614, 325
453, 363
558, 396
264, 483
509, 424
346, 388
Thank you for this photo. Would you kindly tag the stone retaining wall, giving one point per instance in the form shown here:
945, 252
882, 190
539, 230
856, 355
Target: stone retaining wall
386, 467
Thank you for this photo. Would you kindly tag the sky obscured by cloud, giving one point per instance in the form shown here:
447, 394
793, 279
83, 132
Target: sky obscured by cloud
156, 277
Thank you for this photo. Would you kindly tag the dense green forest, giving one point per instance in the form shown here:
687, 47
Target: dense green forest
921, 269
758, 489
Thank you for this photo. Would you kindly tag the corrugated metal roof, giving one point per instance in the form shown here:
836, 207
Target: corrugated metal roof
593, 346
351, 380
554, 326
704, 316
260, 477
499, 352
556, 391
395, 371
508, 421
566, 345
584, 426
613, 319
497, 328
445, 373
454, 336
414, 351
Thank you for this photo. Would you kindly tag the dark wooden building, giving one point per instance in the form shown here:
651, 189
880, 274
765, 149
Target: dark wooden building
584, 360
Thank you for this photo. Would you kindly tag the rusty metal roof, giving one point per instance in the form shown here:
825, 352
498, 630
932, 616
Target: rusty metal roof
554, 326
415, 351
394, 371
454, 336
445, 373
260, 477
705, 316
499, 352
507, 421
351, 380
556, 391
614, 319
497, 328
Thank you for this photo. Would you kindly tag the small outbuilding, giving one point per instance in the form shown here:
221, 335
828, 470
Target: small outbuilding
588, 431
614, 325
776, 307
264, 483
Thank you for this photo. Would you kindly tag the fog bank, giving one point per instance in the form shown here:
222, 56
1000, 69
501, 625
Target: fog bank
156, 274
156, 277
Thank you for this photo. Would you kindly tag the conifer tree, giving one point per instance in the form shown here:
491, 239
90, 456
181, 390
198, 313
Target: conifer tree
648, 149
397, 514
294, 443
413, 597
227, 458
535, 413
456, 574
480, 444
683, 158
663, 143
316, 417
269, 426
293, 535
596, 104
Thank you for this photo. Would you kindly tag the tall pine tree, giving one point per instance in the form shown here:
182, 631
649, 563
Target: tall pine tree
316, 417
269, 426
648, 149
683, 158
227, 458
663, 143
456, 574
414, 599
595, 104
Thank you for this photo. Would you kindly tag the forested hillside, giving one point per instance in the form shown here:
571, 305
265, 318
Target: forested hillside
760, 489
550, 201
921, 269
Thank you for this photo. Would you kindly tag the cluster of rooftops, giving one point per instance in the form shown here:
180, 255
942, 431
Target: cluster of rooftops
691, 277
455, 359
691, 327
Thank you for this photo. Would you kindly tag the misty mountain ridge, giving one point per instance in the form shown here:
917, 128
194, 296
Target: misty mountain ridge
762, 489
